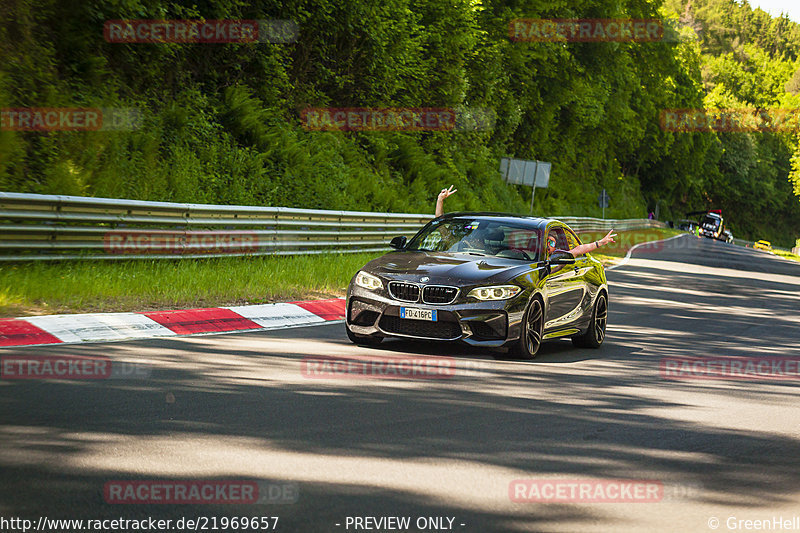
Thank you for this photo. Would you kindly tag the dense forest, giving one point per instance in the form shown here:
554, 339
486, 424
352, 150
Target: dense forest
222, 123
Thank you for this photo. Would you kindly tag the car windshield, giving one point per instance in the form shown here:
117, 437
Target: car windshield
479, 237
710, 222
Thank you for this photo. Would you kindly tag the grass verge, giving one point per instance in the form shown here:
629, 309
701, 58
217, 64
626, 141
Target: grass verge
612, 254
35, 288
787, 255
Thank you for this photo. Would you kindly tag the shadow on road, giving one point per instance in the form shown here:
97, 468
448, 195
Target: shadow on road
569, 413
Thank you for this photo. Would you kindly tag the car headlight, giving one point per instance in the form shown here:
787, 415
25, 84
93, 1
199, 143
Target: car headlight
497, 292
368, 281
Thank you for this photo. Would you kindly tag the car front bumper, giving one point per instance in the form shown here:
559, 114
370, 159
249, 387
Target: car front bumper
490, 324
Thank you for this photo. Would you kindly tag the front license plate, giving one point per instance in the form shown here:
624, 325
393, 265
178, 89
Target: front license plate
418, 314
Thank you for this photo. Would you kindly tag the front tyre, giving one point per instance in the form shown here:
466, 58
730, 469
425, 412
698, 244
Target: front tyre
363, 340
593, 338
530, 338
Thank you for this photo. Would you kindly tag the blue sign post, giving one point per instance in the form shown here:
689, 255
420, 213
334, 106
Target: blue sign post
604, 200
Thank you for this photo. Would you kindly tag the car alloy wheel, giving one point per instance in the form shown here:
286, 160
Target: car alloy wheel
531, 334
596, 333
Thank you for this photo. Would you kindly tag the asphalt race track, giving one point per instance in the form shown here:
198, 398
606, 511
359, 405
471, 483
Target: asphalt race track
244, 407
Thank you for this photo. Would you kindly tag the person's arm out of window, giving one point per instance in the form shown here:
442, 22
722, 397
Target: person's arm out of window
592, 246
440, 200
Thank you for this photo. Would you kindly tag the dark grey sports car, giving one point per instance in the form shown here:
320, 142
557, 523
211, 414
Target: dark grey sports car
485, 279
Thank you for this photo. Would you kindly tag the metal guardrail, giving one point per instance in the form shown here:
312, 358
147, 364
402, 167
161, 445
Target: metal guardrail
584, 224
49, 227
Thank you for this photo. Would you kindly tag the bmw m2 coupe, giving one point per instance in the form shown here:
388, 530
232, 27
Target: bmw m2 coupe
484, 279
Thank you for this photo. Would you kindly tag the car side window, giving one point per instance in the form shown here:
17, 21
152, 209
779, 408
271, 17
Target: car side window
572, 239
561, 238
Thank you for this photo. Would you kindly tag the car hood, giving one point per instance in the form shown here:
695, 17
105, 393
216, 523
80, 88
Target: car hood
448, 268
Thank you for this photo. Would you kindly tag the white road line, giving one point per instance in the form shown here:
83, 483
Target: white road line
628, 255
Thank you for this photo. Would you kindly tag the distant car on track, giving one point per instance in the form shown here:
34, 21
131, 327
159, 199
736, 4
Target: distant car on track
727, 236
762, 245
712, 226
687, 225
484, 279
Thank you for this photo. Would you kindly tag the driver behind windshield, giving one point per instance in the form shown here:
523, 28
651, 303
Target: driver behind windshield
479, 239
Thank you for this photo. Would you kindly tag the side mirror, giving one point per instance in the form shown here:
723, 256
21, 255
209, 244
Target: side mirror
561, 257
398, 242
